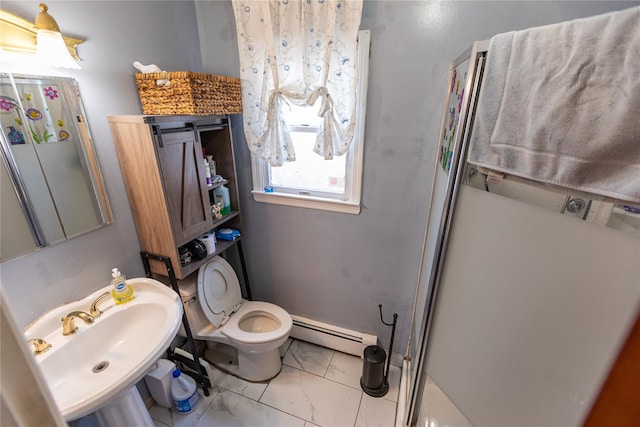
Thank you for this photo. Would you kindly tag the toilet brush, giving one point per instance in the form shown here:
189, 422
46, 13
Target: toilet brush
375, 376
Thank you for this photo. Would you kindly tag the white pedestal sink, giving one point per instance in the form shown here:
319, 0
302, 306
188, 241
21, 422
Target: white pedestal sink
96, 368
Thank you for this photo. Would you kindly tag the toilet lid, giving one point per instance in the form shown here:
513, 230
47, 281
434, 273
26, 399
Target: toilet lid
219, 290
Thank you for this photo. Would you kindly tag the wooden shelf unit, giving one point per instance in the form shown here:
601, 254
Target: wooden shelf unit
162, 163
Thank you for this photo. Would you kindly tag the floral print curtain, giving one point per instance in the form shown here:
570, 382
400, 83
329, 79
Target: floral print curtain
297, 52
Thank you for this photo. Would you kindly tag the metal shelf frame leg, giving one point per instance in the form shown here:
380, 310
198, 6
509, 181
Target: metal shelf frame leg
243, 265
201, 376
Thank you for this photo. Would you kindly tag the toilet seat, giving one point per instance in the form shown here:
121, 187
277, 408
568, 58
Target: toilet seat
219, 291
233, 331
220, 298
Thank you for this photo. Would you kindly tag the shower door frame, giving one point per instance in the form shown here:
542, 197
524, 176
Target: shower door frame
477, 55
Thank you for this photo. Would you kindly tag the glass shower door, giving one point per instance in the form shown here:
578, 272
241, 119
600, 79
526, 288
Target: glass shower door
462, 88
524, 299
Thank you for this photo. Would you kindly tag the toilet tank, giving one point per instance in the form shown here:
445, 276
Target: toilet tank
198, 323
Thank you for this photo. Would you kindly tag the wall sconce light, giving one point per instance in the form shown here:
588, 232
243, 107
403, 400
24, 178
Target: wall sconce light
43, 39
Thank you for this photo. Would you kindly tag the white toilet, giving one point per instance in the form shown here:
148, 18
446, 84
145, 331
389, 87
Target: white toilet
217, 314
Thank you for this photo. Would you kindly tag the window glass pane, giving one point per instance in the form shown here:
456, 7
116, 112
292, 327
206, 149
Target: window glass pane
310, 172
334, 185
306, 115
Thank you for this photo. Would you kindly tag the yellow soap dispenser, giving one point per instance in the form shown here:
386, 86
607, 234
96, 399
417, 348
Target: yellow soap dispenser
121, 292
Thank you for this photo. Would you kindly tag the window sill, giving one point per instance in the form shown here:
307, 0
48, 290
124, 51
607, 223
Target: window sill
309, 202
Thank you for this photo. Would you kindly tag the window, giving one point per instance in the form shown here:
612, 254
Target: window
311, 181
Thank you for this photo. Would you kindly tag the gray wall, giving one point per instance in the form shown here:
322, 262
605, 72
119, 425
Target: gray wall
331, 267
335, 267
116, 33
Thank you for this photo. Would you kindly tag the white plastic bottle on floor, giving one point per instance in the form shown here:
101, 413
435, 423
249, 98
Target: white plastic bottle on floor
183, 392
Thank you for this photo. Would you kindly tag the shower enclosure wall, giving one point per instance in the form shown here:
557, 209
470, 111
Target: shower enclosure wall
526, 292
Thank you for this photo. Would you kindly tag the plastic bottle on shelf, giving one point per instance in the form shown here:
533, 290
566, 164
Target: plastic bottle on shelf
207, 172
183, 392
221, 194
121, 292
212, 167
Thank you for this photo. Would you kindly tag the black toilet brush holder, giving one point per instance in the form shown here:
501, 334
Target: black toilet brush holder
373, 381
375, 376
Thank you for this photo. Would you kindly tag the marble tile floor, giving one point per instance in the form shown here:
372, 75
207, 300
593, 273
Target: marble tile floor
316, 387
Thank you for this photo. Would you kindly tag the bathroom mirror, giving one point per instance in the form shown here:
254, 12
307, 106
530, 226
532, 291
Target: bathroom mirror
51, 186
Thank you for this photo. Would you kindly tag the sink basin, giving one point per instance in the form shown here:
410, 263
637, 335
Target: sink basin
87, 369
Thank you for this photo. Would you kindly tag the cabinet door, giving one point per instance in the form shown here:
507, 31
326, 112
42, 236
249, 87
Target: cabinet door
182, 164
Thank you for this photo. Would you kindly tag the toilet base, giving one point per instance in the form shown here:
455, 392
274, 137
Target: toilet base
252, 367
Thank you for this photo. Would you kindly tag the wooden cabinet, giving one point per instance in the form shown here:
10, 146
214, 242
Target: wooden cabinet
181, 165
162, 163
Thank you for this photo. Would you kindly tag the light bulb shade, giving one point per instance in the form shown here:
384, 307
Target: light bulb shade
52, 51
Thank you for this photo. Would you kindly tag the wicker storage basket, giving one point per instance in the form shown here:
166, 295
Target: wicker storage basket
189, 93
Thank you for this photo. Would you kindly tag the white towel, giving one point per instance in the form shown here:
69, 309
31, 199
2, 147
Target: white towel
561, 104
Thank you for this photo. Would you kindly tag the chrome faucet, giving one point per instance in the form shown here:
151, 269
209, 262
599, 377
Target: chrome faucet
39, 345
68, 325
95, 310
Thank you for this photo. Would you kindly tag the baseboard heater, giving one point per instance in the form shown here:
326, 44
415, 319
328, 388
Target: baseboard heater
330, 336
